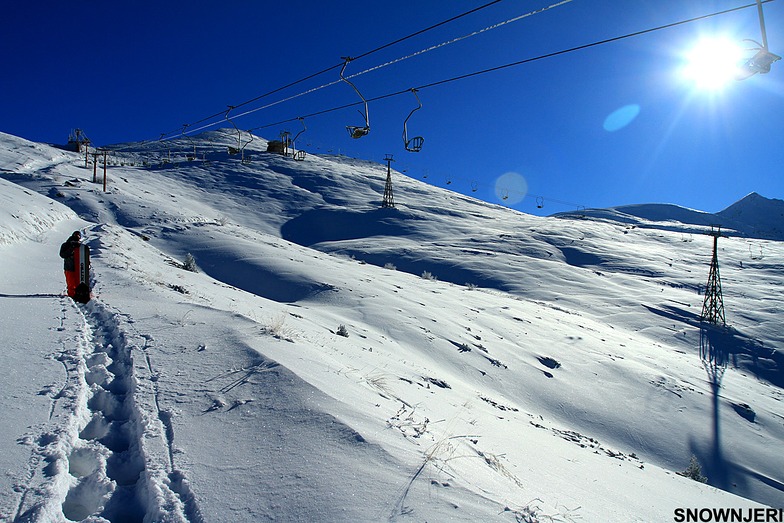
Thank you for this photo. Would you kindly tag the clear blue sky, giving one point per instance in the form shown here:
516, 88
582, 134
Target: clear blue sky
129, 71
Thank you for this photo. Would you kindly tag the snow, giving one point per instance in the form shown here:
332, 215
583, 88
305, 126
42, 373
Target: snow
446, 360
753, 216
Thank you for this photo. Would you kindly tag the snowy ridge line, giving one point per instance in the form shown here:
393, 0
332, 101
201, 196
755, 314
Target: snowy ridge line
29, 156
22, 222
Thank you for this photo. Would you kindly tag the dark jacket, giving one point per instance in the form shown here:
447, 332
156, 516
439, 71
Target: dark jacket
67, 253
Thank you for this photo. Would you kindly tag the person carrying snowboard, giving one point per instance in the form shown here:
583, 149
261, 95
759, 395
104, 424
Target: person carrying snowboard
76, 263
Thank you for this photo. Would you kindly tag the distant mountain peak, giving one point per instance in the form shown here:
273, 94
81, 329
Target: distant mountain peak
753, 201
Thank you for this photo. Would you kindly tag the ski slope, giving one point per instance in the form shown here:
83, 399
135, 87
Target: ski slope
445, 360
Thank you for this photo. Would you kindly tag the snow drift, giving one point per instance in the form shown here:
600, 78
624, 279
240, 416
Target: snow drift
447, 360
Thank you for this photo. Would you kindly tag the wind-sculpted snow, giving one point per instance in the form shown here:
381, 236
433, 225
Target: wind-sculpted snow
22, 222
446, 360
238, 262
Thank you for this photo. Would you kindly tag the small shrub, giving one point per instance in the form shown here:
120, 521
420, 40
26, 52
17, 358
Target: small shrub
694, 471
390, 266
190, 263
342, 331
277, 328
427, 275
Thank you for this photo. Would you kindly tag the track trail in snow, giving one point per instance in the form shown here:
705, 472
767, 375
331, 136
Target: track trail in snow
106, 460
122, 464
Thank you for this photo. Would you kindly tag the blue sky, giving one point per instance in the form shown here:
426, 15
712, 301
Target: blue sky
608, 125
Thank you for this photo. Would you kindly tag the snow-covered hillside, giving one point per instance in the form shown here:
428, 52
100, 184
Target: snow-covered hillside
753, 216
445, 360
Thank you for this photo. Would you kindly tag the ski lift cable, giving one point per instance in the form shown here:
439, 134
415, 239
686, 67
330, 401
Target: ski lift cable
427, 29
417, 53
362, 55
380, 66
511, 64
589, 45
461, 77
464, 37
547, 8
481, 72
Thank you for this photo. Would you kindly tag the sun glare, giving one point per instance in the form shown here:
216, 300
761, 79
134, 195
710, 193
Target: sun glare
712, 63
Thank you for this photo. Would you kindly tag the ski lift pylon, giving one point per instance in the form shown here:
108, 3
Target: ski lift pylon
353, 130
413, 145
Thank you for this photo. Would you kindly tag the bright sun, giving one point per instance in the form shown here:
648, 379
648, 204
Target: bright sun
712, 63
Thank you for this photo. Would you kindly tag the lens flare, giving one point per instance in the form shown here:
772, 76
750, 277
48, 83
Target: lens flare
620, 118
511, 187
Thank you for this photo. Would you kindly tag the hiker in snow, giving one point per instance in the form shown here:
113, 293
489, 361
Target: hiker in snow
68, 254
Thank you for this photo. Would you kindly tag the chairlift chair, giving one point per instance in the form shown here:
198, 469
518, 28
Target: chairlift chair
353, 130
188, 157
234, 150
539, 202
296, 154
242, 149
413, 145
304, 128
759, 63
763, 58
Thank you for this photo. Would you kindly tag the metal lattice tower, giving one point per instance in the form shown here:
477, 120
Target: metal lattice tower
713, 306
389, 199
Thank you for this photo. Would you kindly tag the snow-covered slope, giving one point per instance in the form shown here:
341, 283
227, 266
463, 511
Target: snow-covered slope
446, 360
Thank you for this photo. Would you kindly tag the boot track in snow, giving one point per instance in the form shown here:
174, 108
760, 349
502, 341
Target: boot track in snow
114, 460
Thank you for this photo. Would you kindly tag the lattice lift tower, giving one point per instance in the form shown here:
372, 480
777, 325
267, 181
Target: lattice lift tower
713, 305
389, 198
